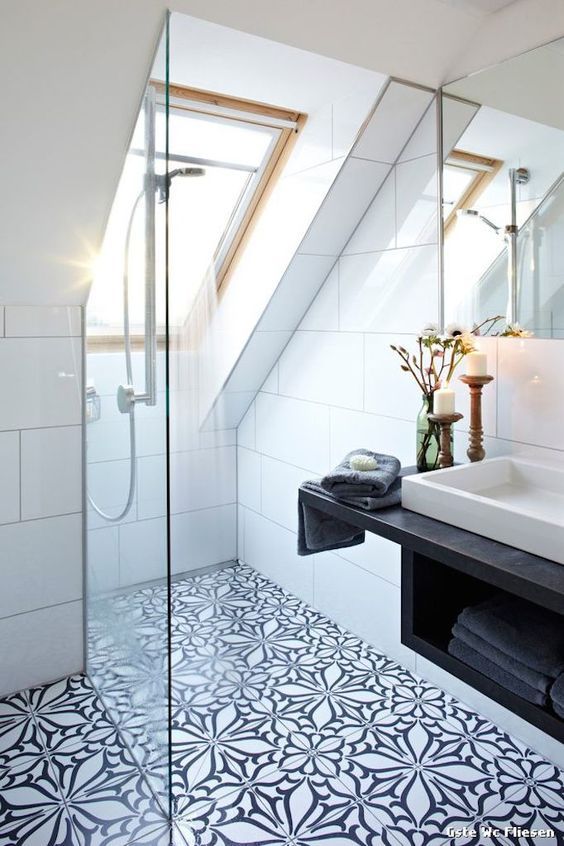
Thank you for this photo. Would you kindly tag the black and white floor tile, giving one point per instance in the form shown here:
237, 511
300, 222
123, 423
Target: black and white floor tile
286, 731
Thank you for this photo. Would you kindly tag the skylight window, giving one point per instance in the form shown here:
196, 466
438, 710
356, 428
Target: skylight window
240, 145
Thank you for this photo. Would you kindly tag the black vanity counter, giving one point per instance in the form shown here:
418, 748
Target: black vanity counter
445, 568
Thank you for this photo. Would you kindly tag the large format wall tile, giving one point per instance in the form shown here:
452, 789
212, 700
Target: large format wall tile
280, 483
326, 367
392, 291
351, 430
531, 392
202, 538
416, 202
41, 563
51, 472
10, 486
294, 431
377, 229
43, 321
43, 645
40, 382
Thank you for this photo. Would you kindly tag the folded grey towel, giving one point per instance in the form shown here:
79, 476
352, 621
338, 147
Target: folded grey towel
520, 629
531, 677
343, 481
557, 692
469, 656
558, 709
319, 532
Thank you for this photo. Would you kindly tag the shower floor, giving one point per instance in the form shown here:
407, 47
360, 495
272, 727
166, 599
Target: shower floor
286, 730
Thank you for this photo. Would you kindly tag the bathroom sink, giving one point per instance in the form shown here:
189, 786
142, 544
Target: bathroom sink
510, 500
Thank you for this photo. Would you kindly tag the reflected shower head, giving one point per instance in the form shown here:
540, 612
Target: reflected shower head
475, 213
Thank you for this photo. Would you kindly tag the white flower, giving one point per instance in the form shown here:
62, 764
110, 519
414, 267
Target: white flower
454, 330
467, 342
514, 330
429, 330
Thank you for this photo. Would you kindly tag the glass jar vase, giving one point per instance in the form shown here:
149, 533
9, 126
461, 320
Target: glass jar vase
428, 437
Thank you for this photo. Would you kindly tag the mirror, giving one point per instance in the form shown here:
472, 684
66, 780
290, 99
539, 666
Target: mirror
503, 193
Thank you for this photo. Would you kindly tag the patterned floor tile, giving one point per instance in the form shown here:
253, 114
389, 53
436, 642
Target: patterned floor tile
32, 808
20, 741
287, 731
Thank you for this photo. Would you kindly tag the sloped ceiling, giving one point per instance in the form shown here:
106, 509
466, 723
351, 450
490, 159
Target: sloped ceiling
73, 72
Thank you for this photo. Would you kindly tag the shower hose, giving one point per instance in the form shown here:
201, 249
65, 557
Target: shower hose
129, 375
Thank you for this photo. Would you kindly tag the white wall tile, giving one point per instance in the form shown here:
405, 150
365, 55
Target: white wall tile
271, 550
51, 471
388, 390
377, 229
10, 487
41, 563
228, 410
44, 645
416, 202
314, 143
323, 312
531, 391
257, 360
40, 382
202, 479
325, 367
394, 291
203, 538
270, 384
103, 560
293, 431
344, 206
296, 290
423, 142
43, 321
352, 430
249, 478
246, 430
2, 313
143, 552
377, 556
349, 114
280, 483
367, 606
397, 115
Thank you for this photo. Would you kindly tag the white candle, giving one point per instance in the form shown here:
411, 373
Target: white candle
443, 402
476, 364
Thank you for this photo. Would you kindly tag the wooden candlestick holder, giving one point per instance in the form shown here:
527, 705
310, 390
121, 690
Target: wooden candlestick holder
476, 451
445, 421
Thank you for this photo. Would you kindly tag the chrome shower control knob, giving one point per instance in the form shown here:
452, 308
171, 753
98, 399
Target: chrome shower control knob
125, 398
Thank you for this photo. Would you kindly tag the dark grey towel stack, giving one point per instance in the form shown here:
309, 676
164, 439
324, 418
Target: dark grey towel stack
366, 489
557, 696
516, 643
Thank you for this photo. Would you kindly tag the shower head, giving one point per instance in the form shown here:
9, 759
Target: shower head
186, 171
475, 213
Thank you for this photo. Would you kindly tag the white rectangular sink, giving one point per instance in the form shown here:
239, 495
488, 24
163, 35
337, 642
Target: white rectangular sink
511, 500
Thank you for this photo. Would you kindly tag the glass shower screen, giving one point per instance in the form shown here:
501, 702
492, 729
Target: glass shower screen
127, 591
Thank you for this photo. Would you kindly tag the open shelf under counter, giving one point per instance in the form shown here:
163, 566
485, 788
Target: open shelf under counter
445, 569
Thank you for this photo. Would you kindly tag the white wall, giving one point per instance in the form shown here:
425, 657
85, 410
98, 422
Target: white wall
40, 495
338, 387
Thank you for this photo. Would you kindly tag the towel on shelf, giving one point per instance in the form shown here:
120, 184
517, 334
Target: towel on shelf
366, 489
469, 656
521, 630
320, 532
557, 696
533, 678
343, 481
